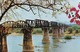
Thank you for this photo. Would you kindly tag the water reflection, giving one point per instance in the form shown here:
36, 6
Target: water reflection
45, 47
55, 43
54, 46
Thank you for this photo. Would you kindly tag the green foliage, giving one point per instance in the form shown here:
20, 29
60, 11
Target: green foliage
37, 31
68, 37
61, 0
75, 28
78, 30
70, 29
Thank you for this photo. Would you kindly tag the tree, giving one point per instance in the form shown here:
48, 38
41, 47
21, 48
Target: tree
6, 5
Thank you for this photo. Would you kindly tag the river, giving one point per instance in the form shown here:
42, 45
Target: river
15, 44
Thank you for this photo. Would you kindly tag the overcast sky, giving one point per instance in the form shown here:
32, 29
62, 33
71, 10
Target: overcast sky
22, 14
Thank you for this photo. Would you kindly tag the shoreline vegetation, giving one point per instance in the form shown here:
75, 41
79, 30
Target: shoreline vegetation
21, 34
73, 31
70, 31
37, 31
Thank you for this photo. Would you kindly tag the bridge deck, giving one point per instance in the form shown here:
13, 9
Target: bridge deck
37, 23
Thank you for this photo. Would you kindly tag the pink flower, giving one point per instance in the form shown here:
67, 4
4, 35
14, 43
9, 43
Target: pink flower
66, 11
77, 22
72, 20
77, 15
73, 9
69, 16
79, 6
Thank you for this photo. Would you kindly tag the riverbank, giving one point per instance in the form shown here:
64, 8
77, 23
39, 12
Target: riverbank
71, 34
21, 34
50, 34
16, 34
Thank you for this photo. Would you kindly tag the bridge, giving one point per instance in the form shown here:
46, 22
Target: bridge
27, 27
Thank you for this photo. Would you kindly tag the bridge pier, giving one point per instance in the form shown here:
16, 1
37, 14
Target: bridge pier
45, 35
1, 42
4, 44
55, 32
27, 40
60, 31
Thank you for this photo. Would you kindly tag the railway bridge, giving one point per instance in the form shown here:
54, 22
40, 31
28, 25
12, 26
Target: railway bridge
27, 27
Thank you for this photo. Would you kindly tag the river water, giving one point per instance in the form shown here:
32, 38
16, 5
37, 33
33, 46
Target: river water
15, 44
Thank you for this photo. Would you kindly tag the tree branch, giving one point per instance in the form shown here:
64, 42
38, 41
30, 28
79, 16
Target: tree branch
38, 12
32, 5
11, 5
23, 8
14, 14
50, 7
6, 10
32, 10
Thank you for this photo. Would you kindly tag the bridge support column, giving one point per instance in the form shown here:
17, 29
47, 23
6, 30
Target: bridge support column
45, 35
55, 32
4, 44
1, 43
27, 40
60, 32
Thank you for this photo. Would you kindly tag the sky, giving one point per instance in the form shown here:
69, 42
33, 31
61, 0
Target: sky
62, 18
74, 2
